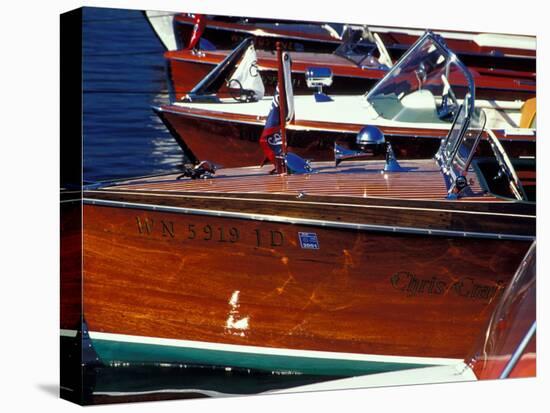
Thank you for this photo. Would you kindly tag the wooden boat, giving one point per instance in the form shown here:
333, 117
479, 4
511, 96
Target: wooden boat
486, 50
226, 33
412, 113
328, 270
352, 72
506, 347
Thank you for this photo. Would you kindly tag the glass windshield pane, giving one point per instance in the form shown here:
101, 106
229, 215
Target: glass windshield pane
358, 47
424, 86
468, 144
453, 137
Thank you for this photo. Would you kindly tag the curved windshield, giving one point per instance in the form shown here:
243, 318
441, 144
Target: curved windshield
426, 85
468, 143
362, 47
457, 151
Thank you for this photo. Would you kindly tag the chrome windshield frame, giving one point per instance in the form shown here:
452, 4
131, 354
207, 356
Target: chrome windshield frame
444, 50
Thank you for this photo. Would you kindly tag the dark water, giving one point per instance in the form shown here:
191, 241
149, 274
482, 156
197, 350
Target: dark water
123, 75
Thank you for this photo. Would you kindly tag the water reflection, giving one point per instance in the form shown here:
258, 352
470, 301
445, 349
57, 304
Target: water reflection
123, 75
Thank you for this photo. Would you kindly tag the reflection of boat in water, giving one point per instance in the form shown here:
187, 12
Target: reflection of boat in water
413, 105
333, 271
506, 348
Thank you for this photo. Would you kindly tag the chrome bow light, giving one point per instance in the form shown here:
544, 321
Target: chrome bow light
317, 77
370, 141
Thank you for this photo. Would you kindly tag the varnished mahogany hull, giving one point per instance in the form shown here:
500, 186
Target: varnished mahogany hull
232, 142
186, 70
196, 277
470, 53
227, 35
184, 76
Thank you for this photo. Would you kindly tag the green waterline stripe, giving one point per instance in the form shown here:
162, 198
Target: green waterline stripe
116, 351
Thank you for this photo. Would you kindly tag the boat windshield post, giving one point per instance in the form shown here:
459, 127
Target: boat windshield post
280, 159
205, 90
458, 147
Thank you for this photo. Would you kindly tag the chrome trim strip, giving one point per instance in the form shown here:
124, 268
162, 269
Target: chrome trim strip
289, 201
519, 351
306, 221
261, 31
258, 122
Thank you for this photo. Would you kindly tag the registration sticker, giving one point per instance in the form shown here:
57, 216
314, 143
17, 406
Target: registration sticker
308, 240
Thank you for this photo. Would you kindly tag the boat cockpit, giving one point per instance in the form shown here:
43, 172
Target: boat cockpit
497, 174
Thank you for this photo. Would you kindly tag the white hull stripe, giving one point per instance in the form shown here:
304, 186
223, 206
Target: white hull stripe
268, 351
68, 333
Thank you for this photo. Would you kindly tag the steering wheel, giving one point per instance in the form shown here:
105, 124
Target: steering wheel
449, 103
238, 93
421, 75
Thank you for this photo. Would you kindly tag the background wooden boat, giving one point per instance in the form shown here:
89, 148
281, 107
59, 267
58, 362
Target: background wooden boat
394, 276
487, 50
231, 139
402, 105
186, 68
226, 33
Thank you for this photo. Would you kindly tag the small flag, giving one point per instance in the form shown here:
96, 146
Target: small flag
271, 140
198, 29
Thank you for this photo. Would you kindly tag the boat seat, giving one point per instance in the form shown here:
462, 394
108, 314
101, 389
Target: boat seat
528, 114
419, 106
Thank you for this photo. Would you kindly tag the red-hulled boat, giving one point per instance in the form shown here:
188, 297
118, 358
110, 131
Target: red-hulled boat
487, 50
352, 73
218, 32
413, 105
